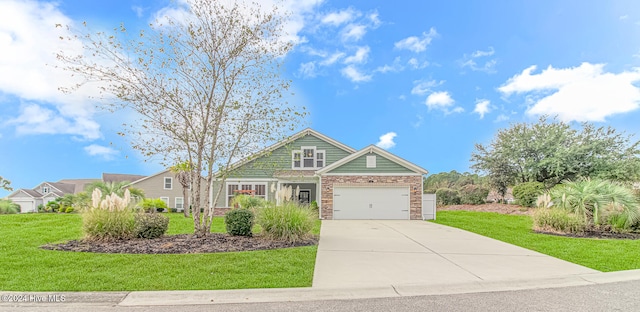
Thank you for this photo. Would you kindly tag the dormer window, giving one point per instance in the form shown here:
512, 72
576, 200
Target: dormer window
45, 189
308, 157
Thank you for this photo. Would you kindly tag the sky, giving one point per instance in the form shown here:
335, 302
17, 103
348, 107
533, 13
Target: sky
425, 80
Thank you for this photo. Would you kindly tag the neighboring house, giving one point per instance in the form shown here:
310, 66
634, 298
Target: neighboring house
118, 177
347, 184
30, 199
165, 186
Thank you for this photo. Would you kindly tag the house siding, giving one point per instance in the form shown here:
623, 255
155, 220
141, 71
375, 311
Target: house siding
280, 158
153, 187
414, 182
383, 165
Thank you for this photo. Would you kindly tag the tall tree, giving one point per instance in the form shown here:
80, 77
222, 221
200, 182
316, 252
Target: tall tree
206, 85
5, 184
550, 151
182, 172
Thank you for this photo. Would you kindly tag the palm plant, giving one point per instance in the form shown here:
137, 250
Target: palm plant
118, 188
595, 199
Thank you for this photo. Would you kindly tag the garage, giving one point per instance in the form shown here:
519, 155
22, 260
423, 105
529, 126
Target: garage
371, 202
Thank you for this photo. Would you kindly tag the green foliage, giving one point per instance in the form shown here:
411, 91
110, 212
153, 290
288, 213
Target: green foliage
557, 220
52, 206
5, 184
239, 222
472, 194
150, 225
151, 204
288, 222
105, 225
527, 193
8, 207
117, 188
69, 209
446, 197
550, 151
314, 207
247, 201
451, 180
595, 199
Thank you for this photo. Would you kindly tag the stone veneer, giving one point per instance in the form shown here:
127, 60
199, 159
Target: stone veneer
414, 182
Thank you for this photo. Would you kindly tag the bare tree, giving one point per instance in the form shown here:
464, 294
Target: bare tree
207, 86
182, 172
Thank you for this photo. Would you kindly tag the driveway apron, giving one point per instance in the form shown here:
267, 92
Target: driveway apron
371, 253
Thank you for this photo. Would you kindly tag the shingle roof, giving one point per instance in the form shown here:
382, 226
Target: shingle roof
78, 184
117, 177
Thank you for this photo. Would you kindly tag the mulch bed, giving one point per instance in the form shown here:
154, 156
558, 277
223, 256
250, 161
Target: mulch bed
179, 244
492, 207
595, 234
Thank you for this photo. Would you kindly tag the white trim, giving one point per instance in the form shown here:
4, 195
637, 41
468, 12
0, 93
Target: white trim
166, 201
164, 183
175, 202
379, 151
147, 177
373, 174
250, 180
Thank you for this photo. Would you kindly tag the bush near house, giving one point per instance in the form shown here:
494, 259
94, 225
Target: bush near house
239, 222
153, 204
557, 220
8, 207
527, 193
247, 201
150, 225
288, 222
446, 197
472, 194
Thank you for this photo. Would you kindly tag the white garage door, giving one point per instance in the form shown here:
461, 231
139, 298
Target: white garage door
371, 203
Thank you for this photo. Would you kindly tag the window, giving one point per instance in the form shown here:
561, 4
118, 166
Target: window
179, 203
308, 158
296, 159
371, 161
165, 200
258, 189
168, 183
45, 190
319, 159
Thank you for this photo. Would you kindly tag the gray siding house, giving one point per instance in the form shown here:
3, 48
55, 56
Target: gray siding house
164, 185
347, 184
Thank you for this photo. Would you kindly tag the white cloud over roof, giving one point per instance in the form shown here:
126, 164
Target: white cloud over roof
386, 140
583, 93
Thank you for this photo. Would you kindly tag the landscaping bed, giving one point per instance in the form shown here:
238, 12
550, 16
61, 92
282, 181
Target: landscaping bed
179, 244
492, 207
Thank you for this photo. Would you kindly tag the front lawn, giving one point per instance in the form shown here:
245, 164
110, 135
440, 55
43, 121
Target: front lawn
600, 254
26, 267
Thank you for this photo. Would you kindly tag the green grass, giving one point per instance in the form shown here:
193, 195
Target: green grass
600, 254
26, 267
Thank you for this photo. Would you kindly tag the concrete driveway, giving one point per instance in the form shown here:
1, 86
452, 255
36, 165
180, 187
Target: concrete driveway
371, 253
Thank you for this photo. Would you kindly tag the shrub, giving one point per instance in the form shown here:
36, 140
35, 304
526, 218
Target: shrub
446, 197
557, 220
108, 219
527, 193
69, 210
239, 222
173, 210
247, 201
472, 194
314, 207
150, 225
8, 207
150, 204
288, 222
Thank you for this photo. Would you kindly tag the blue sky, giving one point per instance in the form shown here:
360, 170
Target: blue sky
423, 79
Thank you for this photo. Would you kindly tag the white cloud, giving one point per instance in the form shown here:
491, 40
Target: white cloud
501, 118
354, 32
394, 67
386, 140
471, 61
439, 99
105, 152
354, 74
583, 93
340, 17
29, 37
374, 18
482, 107
442, 100
307, 70
138, 9
359, 57
416, 44
423, 87
418, 123
415, 64
331, 59
623, 17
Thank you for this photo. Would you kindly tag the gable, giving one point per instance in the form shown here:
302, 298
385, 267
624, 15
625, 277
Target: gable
381, 165
280, 158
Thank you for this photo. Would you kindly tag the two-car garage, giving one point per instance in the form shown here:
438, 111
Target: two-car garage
371, 202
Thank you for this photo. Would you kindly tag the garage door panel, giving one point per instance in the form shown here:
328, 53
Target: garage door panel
384, 203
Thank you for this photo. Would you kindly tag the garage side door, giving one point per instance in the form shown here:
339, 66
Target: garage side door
371, 203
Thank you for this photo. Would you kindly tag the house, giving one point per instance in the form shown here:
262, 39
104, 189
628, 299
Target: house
164, 185
30, 199
346, 183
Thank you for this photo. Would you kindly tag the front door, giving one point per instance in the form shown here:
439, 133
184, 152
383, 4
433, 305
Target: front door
303, 196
